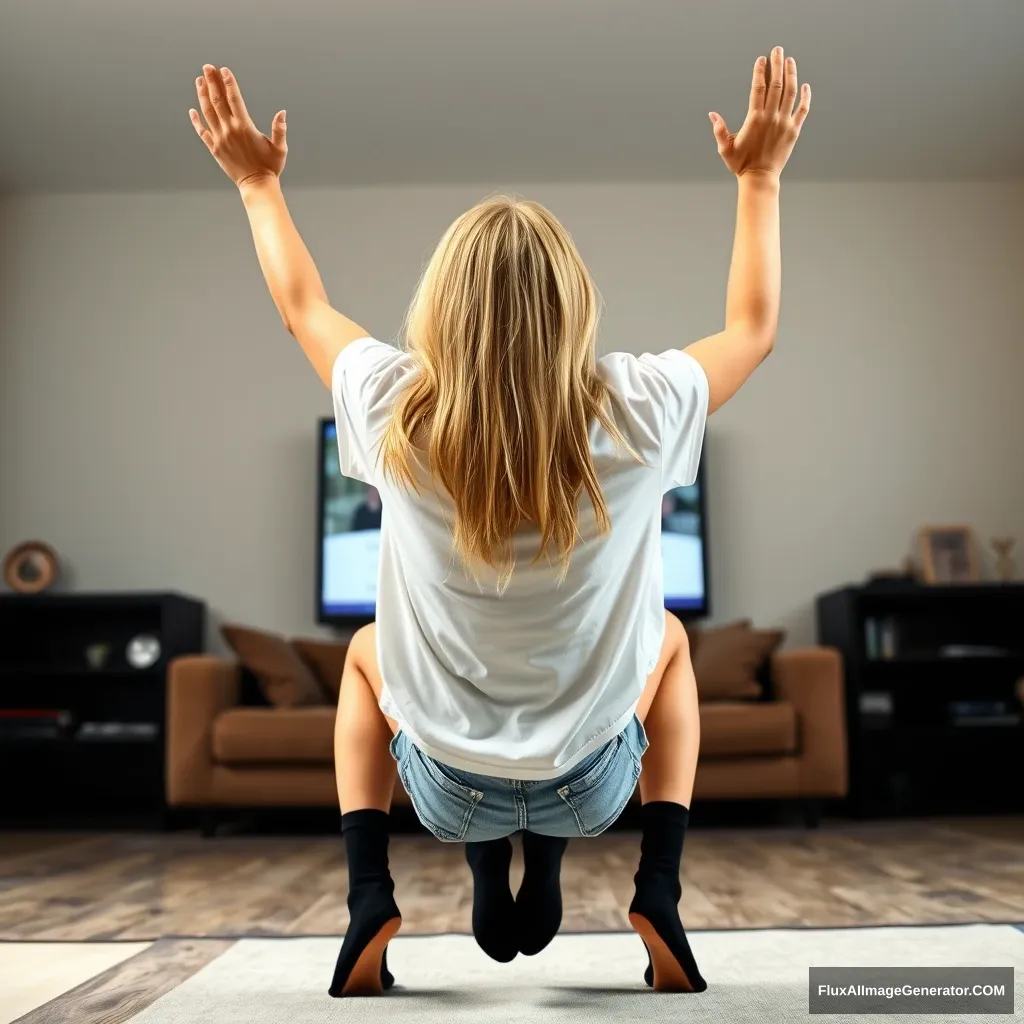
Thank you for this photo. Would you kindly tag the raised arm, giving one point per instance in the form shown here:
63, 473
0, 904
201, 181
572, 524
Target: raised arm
254, 163
756, 155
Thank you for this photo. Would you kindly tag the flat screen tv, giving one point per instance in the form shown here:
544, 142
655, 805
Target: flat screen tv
348, 543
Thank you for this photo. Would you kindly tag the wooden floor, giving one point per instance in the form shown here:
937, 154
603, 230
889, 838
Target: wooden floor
120, 887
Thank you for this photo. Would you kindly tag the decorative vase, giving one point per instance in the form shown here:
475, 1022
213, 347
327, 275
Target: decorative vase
1006, 569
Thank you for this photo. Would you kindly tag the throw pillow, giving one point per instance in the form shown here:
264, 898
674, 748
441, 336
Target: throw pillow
284, 678
727, 660
327, 659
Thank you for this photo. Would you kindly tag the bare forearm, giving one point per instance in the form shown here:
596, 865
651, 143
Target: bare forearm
289, 269
755, 275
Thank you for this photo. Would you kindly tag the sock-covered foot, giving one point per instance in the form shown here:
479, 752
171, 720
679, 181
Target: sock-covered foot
654, 912
493, 907
539, 900
387, 979
374, 917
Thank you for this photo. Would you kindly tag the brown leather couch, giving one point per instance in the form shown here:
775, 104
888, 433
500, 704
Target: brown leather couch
221, 754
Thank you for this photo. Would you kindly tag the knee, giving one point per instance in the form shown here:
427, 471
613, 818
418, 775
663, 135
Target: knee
362, 647
677, 643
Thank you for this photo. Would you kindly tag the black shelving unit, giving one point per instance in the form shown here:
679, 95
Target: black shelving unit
934, 691
82, 731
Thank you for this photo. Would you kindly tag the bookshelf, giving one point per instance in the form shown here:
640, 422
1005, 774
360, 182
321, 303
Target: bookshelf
934, 691
82, 706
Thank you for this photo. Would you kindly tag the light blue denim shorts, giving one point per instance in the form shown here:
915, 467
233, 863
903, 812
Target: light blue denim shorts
462, 807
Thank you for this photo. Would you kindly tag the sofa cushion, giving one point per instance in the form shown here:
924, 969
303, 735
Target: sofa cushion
747, 729
285, 679
726, 660
274, 736
327, 659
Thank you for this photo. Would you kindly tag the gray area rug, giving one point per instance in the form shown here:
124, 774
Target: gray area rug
752, 976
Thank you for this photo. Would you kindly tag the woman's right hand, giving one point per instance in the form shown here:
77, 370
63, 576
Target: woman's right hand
769, 133
244, 153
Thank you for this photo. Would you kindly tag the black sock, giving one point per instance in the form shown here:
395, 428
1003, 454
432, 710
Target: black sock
658, 889
493, 907
371, 901
539, 900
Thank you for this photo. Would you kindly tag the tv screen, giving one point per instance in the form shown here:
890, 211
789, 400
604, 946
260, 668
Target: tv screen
349, 543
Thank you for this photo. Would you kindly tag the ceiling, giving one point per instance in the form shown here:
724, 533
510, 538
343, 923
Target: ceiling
94, 94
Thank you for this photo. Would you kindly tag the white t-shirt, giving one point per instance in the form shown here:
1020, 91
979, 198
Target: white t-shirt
524, 684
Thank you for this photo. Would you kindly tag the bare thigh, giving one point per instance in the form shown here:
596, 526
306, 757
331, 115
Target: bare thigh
674, 645
362, 658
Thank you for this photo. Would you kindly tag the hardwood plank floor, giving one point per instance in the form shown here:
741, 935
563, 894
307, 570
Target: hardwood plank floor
133, 887
117, 995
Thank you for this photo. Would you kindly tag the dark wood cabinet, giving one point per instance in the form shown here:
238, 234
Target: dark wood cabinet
934, 691
82, 702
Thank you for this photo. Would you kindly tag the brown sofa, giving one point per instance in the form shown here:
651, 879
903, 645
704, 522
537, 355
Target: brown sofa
224, 755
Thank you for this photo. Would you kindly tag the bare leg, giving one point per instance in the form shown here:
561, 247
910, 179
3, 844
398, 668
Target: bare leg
363, 766
669, 711
671, 718
365, 774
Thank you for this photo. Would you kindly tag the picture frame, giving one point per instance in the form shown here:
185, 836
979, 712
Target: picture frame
949, 554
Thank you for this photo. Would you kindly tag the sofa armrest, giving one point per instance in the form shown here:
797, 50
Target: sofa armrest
811, 679
199, 688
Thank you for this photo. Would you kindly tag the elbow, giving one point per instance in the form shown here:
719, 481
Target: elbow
288, 317
763, 330
761, 337
294, 309
757, 333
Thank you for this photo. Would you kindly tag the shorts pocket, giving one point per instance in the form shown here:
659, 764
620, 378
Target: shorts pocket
599, 795
443, 804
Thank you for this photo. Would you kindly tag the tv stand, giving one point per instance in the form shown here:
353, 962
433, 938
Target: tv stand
934, 692
81, 719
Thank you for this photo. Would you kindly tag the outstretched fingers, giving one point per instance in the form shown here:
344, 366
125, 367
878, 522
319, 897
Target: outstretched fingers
233, 95
789, 88
721, 130
279, 130
206, 104
805, 105
214, 87
774, 100
758, 87
201, 130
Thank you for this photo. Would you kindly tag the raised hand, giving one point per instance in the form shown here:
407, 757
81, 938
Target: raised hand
769, 133
244, 153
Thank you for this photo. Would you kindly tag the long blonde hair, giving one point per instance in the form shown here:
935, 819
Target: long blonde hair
503, 326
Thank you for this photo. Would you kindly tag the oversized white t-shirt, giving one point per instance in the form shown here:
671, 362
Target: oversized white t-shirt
524, 684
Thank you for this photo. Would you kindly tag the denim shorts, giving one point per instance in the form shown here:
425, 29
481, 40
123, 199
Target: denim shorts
462, 807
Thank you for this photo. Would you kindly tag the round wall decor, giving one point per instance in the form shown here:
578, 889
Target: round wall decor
31, 567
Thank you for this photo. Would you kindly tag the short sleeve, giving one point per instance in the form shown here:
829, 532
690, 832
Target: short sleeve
367, 378
665, 397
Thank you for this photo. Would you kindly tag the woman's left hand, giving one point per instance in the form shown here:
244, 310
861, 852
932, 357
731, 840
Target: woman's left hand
244, 153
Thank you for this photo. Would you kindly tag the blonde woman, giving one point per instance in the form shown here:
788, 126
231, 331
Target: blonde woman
522, 674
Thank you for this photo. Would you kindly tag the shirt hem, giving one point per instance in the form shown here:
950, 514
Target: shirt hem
508, 771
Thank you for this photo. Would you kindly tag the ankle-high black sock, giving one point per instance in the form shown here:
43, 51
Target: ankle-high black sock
658, 889
371, 901
539, 900
493, 907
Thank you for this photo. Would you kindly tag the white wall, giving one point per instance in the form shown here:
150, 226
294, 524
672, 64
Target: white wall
156, 421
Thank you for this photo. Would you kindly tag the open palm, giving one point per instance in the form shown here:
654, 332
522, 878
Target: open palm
772, 125
244, 153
